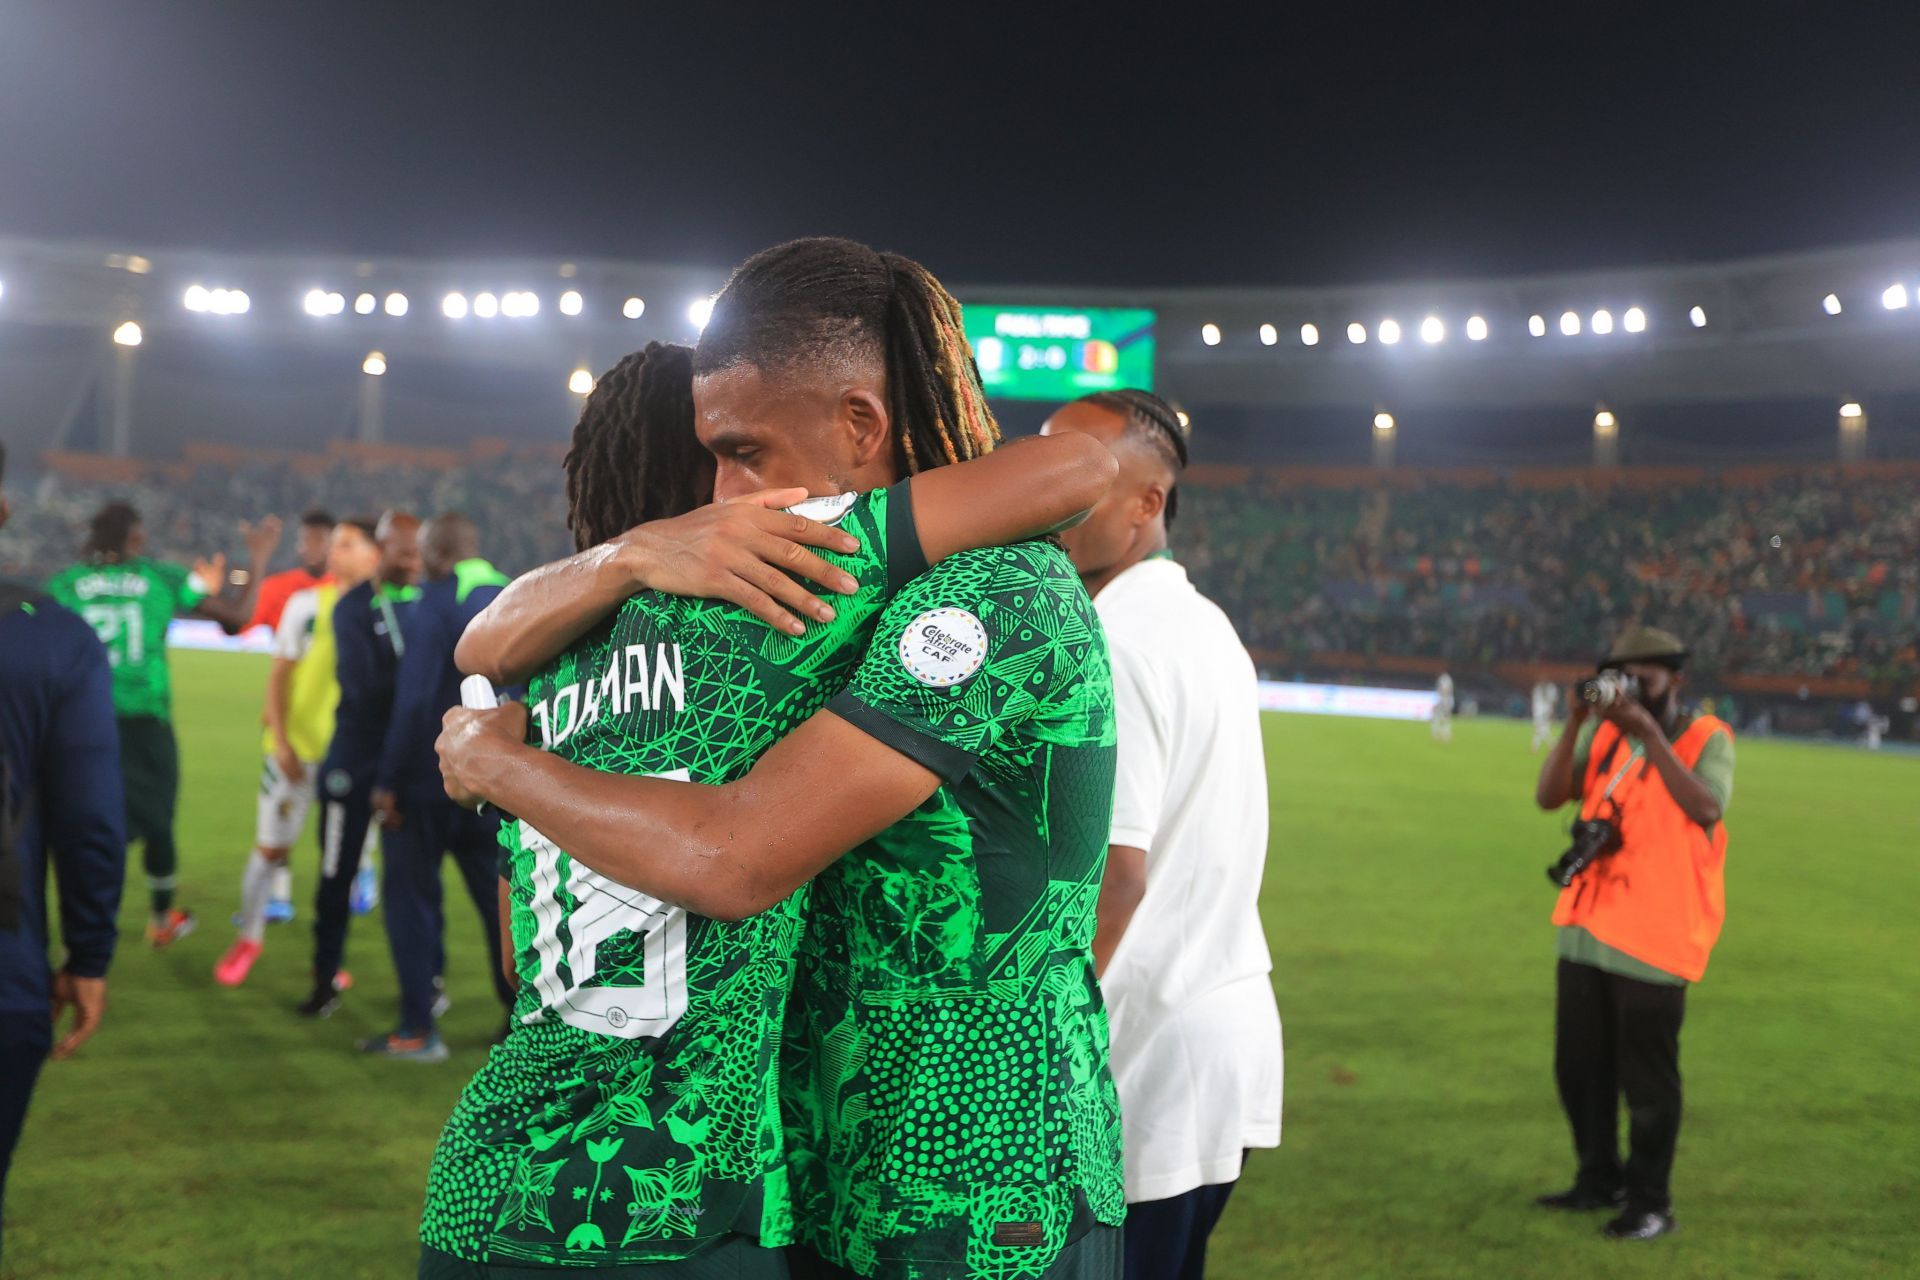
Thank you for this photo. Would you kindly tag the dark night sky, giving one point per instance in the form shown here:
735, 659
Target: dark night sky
1262, 144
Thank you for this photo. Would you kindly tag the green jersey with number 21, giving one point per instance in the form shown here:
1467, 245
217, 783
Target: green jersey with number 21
632, 1113
129, 604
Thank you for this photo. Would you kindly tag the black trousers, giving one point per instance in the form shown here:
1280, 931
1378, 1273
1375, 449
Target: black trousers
25, 1039
344, 819
150, 764
1615, 1036
1167, 1239
431, 827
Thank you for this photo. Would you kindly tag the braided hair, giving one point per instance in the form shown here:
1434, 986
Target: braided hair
634, 456
108, 531
1152, 423
825, 299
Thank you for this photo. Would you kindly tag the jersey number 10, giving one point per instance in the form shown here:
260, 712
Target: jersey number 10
603, 909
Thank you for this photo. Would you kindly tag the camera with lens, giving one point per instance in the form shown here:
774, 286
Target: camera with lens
1592, 838
1609, 687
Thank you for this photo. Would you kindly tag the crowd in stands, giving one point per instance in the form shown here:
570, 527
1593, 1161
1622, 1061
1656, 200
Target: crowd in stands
1804, 574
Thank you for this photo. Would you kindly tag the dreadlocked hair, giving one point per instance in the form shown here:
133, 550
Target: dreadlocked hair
828, 300
634, 456
111, 526
1153, 423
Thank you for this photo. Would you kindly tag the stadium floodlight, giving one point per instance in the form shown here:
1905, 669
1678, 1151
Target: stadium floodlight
128, 335
1389, 332
1851, 409
1635, 321
364, 304
231, 302
396, 304
375, 365
1569, 323
633, 308
486, 305
580, 382
1831, 304
197, 298
315, 303
1698, 316
1432, 330
454, 306
1894, 297
1210, 334
1604, 420
571, 303
1537, 326
1602, 321
699, 311
1476, 328
1356, 333
1383, 422
1268, 335
1309, 335
520, 304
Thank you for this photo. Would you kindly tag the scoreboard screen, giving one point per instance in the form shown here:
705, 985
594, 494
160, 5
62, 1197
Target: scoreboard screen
1057, 353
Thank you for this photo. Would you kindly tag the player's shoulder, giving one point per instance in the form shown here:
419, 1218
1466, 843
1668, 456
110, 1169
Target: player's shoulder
63, 640
1006, 570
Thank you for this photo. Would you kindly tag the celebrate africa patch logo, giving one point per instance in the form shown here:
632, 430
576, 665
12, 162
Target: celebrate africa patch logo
943, 647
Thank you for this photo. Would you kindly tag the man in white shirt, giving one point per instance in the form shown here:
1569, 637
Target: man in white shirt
1180, 950
1545, 695
1443, 708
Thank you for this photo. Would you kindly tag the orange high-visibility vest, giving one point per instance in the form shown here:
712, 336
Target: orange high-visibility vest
1662, 896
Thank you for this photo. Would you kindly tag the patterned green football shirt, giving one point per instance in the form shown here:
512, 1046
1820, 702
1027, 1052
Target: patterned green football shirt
128, 605
632, 1114
948, 1105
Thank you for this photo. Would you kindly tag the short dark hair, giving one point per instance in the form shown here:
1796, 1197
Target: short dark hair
1151, 422
365, 524
317, 518
635, 456
111, 526
825, 298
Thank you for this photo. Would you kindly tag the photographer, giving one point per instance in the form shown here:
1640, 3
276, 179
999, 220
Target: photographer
1643, 897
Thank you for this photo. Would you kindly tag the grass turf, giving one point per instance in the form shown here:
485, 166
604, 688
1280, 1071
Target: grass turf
210, 1133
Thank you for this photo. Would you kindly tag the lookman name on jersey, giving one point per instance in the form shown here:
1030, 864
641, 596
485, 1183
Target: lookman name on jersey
630, 682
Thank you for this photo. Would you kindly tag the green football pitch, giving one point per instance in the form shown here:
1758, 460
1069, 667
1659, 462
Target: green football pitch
210, 1133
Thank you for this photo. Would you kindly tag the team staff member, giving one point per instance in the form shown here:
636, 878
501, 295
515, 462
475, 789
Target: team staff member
128, 600
1179, 946
420, 823
301, 695
1637, 925
369, 637
60, 799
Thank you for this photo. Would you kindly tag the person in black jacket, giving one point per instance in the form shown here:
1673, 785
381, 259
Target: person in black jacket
60, 799
369, 636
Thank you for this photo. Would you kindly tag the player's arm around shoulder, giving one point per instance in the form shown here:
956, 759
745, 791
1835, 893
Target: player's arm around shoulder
1023, 489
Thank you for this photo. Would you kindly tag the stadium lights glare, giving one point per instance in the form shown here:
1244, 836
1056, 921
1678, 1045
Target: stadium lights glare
1894, 297
700, 310
1851, 409
1268, 335
1389, 332
321, 302
1432, 330
633, 308
1537, 326
364, 304
571, 303
1309, 335
219, 302
396, 304
454, 306
1831, 304
525, 304
196, 298
375, 365
1356, 333
1602, 321
1209, 334
1635, 321
580, 382
1604, 420
1569, 323
1698, 316
486, 306
1476, 328
1383, 422
128, 335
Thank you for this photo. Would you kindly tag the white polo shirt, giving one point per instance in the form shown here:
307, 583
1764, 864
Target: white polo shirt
1196, 1033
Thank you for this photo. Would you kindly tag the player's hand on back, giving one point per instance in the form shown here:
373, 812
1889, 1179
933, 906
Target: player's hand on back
469, 740
743, 551
87, 997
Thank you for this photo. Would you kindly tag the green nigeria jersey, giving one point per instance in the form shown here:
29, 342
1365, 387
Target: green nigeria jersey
948, 1104
631, 1114
129, 604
